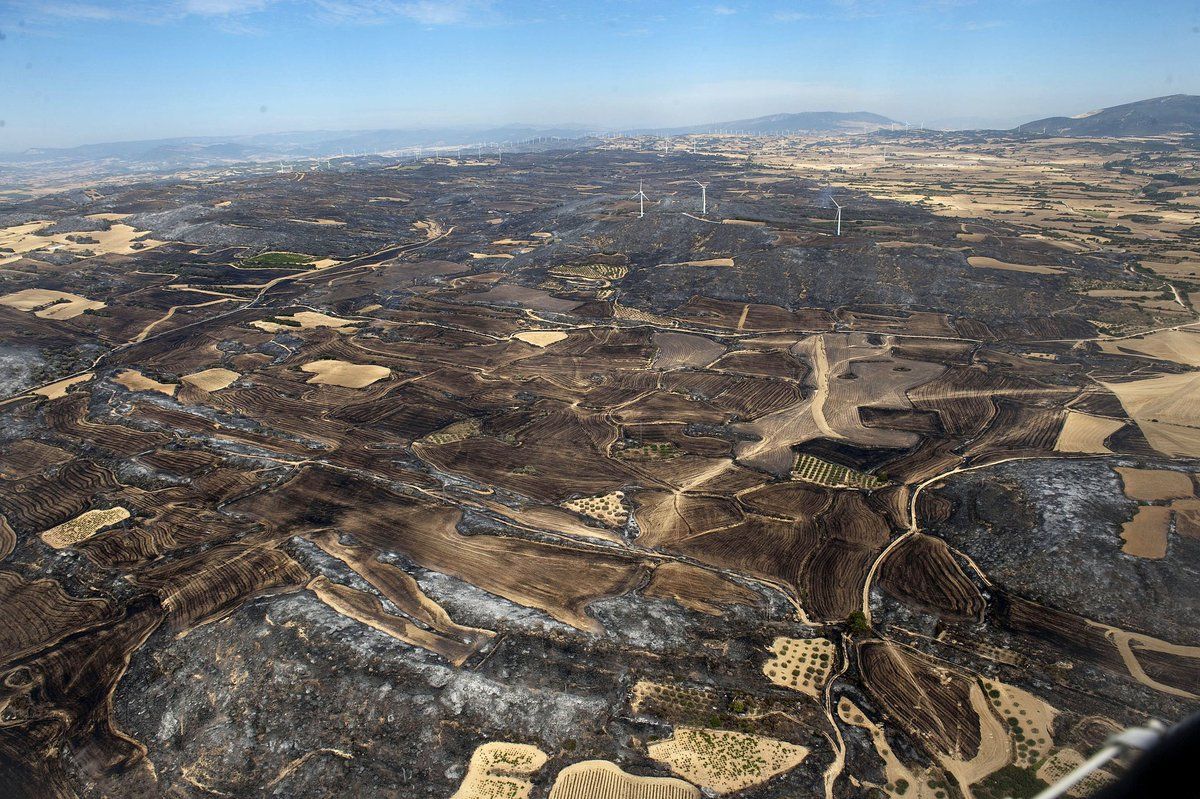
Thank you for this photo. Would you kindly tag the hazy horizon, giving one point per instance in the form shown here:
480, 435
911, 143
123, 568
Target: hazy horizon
129, 70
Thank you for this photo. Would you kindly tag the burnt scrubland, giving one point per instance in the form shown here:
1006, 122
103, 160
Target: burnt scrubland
330, 478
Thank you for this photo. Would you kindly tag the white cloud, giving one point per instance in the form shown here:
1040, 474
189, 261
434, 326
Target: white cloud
222, 8
225, 12
724, 11
424, 12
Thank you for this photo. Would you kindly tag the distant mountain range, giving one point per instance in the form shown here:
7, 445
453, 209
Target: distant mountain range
806, 121
1176, 113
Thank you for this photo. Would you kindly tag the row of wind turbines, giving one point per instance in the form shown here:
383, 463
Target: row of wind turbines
641, 198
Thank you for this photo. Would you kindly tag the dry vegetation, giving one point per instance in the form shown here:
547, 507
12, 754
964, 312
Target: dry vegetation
802, 664
723, 761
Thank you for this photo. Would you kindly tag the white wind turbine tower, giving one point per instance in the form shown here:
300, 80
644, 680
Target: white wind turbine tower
839, 215
641, 198
703, 197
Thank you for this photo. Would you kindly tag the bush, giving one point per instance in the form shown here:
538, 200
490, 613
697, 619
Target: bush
857, 623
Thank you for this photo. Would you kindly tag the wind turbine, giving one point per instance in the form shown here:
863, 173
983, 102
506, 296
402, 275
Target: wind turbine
641, 198
839, 215
703, 197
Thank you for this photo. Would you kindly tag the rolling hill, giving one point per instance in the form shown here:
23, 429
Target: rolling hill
1176, 113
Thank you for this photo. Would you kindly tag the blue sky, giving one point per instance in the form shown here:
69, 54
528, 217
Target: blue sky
79, 71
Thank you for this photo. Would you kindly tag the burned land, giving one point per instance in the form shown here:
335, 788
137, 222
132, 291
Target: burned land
450, 477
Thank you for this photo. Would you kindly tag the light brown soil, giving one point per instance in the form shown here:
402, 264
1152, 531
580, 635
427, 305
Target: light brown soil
600, 779
136, 381
344, 373
984, 262
1083, 432
211, 379
1148, 485
540, 338
59, 389
48, 304
1146, 534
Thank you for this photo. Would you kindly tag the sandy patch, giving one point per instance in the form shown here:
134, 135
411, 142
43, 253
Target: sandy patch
59, 389
600, 779
723, 761
747, 222
305, 320
1082, 432
1145, 535
136, 381
540, 338
211, 379
48, 304
344, 373
802, 664
983, 262
83, 527
500, 255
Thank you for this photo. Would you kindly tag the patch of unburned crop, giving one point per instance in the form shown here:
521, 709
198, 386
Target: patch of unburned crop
802, 664
83, 527
984, 262
1030, 721
274, 260
1149, 485
1165, 410
1062, 763
1180, 346
136, 381
706, 262
1145, 535
59, 389
600, 779
643, 452
305, 320
211, 379
540, 338
724, 761
452, 433
810, 469
1082, 432
591, 271
344, 373
607, 509
501, 770
47, 304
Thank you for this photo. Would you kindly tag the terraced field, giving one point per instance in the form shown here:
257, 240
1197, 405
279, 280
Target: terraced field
448, 477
